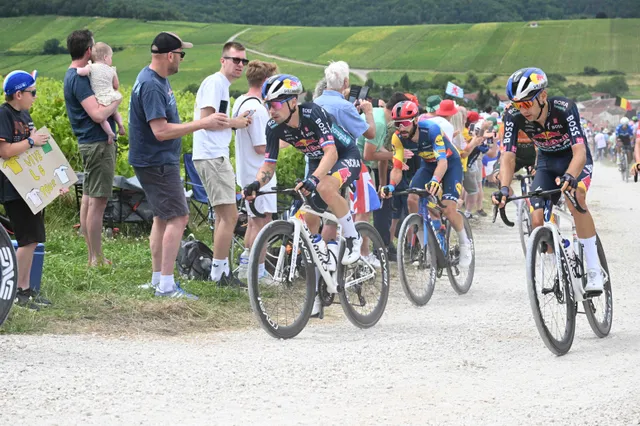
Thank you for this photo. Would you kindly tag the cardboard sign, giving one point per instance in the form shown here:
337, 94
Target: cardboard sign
39, 173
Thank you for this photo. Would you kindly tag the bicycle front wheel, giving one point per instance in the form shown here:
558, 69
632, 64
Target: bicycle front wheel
417, 262
460, 277
599, 310
550, 295
281, 304
365, 284
9, 280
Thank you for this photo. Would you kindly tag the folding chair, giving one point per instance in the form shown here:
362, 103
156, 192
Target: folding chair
198, 198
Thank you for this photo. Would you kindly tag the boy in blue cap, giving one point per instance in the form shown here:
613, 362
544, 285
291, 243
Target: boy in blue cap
17, 135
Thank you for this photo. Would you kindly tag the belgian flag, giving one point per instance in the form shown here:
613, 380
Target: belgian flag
623, 103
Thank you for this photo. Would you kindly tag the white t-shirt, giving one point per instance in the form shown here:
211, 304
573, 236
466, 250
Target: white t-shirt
248, 161
601, 140
208, 144
445, 126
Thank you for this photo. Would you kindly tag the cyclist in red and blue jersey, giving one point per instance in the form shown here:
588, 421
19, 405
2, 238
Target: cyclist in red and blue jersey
440, 168
334, 158
553, 123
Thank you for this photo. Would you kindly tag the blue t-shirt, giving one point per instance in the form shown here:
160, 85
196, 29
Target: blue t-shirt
152, 98
344, 112
76, 90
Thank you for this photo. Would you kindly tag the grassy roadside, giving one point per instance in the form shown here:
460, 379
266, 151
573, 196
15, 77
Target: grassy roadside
106, 300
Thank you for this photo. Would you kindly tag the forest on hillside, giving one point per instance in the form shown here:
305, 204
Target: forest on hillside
331, 12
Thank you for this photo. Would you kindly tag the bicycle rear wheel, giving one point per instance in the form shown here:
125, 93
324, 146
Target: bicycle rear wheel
524, 224
417, 262
550, 295
9, 277
599, 310
281, 305
365, 288
459, 276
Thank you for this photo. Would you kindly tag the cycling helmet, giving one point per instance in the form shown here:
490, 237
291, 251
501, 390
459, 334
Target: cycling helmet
404, 110
280, 86
526, 83
624, 121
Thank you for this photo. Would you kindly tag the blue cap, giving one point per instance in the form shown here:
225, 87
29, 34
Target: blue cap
18, 80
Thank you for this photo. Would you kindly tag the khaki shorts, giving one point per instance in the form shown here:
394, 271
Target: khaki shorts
99, 159
218, 179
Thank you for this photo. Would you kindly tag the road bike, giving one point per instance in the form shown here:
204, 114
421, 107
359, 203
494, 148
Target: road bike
8, 274
425, 252
283, 299
523, 211
556, 278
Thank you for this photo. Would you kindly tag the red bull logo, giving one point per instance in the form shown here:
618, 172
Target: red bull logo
290, 84
342, 175
303, 143
537, 78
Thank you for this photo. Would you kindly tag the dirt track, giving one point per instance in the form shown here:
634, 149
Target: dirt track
472, 359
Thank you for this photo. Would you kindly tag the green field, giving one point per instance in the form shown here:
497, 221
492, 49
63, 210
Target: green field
556, 46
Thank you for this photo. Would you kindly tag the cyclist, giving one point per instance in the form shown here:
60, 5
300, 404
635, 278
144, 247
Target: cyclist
524, 157
563, 156
636, 149
624, 135
441, 167
334, 158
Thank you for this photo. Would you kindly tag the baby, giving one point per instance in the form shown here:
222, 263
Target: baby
104, 83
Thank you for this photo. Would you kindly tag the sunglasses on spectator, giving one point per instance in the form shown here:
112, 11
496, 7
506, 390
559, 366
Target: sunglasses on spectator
33, 92
237, 61
180, 53
404, 123
524, 104
276, 104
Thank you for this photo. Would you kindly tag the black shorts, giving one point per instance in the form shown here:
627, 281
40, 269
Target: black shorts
551, 167
347, 170
27, 227
163, 188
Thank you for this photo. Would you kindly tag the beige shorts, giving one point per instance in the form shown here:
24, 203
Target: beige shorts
218, 179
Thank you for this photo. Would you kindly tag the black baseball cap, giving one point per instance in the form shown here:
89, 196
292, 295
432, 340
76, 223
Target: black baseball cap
166, 42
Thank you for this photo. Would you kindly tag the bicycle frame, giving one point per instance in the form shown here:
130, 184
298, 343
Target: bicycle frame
423, 210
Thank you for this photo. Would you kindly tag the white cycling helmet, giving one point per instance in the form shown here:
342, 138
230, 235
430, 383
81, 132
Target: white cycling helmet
281, 85
526, 83
624, 121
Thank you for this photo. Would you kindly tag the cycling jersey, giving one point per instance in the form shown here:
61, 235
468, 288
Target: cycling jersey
624, 133
526, 152
432, 145
316, 129
562, 129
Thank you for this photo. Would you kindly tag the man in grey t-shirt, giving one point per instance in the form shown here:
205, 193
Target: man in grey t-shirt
155, 142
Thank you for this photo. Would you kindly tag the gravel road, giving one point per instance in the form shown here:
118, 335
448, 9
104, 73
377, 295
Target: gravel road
472, 359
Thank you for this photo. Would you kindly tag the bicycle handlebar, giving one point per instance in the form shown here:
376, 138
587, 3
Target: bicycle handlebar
292, 192
423, 193
539, 193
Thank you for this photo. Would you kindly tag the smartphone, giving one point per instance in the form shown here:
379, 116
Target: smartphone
354, 92
251, 112
364, 91
223, 107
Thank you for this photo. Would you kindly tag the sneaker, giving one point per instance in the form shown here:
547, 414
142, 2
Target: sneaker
393, 254
178, 293
243, 266
148, 286
373, 260
465, 255
24, 299
468, 215
481, 213
38, 299
316, 312
595, 281
352, 251
230, 280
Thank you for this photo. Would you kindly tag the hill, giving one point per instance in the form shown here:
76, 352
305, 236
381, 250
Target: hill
384, 52
336, 13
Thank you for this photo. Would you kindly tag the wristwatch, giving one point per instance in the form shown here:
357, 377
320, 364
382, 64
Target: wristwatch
31, 142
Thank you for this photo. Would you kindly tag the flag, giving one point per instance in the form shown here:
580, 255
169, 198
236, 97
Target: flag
454, 90
623, 103
365, 199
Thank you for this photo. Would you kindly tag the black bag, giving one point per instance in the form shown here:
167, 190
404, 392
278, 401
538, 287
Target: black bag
194, 259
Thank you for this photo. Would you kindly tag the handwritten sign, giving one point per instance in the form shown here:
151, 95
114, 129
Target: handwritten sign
39, 173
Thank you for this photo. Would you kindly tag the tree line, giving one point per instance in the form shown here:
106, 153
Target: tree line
331, 12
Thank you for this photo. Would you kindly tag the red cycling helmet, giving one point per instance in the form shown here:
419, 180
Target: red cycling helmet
404, 110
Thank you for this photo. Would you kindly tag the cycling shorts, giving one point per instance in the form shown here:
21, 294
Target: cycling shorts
551, 167
347, 170
451, 182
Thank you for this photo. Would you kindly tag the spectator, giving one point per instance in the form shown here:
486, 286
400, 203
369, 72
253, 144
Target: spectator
98, 156
211, 156
433, 103
250, 149
601, 145
155, 143
17, 135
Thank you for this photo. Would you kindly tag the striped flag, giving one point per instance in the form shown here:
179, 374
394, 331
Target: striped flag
623, 103
365, 199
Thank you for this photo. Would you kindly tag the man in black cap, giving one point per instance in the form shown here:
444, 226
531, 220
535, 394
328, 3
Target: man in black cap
155, 143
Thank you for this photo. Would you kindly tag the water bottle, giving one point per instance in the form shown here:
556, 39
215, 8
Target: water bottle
320, 247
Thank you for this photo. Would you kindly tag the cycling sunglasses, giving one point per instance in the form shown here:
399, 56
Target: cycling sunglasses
237, 61
404, 123
524, 104
277, 104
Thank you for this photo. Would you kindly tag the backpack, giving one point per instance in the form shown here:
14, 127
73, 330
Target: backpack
194, 259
